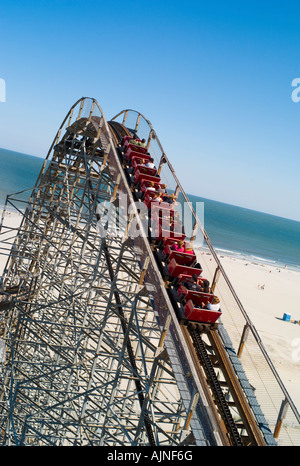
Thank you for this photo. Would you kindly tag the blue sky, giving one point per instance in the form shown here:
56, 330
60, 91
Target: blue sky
214, 80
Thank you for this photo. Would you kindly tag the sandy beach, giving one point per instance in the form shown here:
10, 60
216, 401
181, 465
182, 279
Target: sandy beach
266, 293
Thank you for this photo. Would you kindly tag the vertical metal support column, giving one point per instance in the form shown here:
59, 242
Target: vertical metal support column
125, 117
243, 340
193, 404
150, 137
281, 416
216, 278
161, 163
164, 333
80, 110
137, 123
177, 190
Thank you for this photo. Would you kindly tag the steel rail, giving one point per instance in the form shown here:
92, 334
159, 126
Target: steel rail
215, 386
236, 391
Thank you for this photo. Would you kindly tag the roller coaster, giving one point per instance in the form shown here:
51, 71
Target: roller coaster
102, 342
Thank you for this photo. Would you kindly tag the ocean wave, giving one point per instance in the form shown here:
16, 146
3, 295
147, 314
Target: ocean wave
263, 259
228, 252
257, 259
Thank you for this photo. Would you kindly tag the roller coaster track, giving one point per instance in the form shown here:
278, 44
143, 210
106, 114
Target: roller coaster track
216, 387
92, 351
230, 430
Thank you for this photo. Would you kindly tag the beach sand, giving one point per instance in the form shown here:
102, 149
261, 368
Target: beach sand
265, 308
267, 293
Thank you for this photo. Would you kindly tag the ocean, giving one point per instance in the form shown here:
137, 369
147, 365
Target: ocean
18, 172
251, 235
233, 230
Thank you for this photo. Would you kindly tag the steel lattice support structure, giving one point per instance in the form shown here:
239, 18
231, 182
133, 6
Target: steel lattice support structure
86, 358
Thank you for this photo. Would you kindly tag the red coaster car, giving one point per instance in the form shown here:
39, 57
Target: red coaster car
140, 176
177, 269
181, 258
200, 315
198, 297
134, 148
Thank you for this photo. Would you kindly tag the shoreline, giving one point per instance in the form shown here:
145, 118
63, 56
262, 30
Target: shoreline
249, 258
221, 251
256, 260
